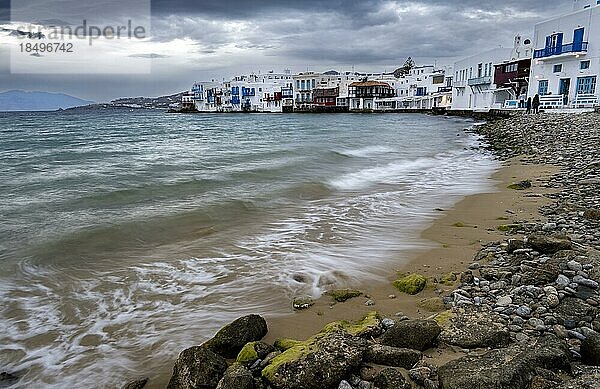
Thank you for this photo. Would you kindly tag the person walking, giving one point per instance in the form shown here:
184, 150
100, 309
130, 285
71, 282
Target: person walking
528, 105
536, 103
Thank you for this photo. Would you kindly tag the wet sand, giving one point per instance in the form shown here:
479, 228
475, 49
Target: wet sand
453, 249
480, 214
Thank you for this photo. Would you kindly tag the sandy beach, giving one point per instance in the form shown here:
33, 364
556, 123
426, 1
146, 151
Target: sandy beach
479, 215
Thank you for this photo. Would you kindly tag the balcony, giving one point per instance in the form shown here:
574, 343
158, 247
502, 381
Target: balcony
571, 48
480, 81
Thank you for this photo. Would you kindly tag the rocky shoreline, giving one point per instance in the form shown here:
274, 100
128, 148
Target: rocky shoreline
524, 314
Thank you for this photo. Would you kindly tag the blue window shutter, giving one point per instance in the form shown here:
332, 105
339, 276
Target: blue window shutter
559, 43
548, 43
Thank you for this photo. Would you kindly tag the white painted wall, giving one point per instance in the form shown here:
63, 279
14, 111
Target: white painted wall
479, 97
542, 69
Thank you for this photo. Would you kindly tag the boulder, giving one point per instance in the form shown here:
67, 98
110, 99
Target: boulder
476, 330
253, 351
230, 339
590, 350
197, 368
411, 284
136, 384
511, 367
320, 362
413, 334
392, 356
390, 378
571, 308
549, 244
236, 377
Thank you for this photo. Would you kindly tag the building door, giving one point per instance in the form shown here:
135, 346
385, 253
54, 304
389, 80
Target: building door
578, 39
563, 89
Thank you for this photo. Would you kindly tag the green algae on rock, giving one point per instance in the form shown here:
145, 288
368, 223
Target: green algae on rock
411, 284
434, 304
342, 295
322, 360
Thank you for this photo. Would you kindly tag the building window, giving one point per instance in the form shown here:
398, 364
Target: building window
543, 87
558, 68
586, 85
511, 68
584, 65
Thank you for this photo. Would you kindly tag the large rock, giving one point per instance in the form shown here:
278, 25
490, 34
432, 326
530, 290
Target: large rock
237, 377
476, 331
320, 362
197, 368
390, 378
571, 308
590, 350
392, 356
512, 367
413, 334
549, 244
231, 339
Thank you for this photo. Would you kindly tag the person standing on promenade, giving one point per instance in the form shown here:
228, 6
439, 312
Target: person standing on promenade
536, 104
528, 105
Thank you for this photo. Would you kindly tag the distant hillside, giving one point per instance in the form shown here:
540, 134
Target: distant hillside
147, 102
17, 100
163, 102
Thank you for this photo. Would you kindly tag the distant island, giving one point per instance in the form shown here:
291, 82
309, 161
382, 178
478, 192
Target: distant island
18, 100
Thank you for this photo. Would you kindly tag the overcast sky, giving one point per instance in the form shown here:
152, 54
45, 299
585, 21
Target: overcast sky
196, 40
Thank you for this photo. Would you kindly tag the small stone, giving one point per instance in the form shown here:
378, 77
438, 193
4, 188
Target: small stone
345, 385
585, 282
474, 266
504, 301
369, 303
562, 281
553, 300
575, 266
392, 296
387, 323
523, 311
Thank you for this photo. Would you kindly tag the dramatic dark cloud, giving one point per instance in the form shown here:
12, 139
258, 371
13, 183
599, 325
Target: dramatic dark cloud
219, 38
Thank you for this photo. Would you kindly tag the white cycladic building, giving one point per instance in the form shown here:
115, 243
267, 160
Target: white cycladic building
473, 83
566, 60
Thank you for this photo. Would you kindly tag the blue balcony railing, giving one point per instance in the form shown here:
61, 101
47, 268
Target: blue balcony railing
564, 49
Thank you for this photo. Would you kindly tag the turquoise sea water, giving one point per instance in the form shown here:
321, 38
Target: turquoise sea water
128, 236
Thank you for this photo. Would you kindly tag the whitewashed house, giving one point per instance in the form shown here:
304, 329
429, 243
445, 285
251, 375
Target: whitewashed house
566, 60
207, 96
473, 83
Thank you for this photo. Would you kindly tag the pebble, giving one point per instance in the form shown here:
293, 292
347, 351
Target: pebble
523, 311
369, 303
574, 265
562, 280
504, 301
553, 300
345, 385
